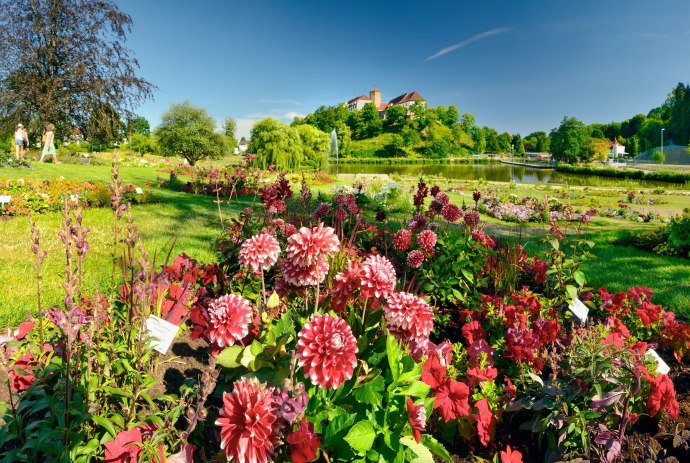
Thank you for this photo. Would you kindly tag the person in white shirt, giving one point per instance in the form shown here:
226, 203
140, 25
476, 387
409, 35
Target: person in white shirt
19, 142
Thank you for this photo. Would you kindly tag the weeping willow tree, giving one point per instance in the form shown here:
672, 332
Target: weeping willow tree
275, 143
315, 146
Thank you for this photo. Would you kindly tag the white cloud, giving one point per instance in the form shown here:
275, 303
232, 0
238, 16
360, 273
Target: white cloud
464, 43
244, 127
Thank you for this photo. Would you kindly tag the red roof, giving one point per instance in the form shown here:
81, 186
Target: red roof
355, 100
383, 106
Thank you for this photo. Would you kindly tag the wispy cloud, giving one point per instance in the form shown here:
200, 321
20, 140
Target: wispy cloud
291, 102
464, 43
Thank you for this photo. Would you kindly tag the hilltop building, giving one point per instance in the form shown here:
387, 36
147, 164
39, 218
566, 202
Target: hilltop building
616, 150
407, 99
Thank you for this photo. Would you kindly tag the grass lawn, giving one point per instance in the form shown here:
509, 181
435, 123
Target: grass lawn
193, 221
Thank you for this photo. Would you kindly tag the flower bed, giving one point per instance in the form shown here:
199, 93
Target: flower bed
332, 335
31, 196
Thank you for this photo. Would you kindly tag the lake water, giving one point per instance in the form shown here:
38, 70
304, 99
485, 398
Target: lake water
490, 172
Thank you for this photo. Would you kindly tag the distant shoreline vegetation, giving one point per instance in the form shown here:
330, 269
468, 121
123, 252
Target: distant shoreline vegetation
669, 177
465, 160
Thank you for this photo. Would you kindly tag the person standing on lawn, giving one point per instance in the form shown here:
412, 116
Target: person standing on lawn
19, 142
49, 144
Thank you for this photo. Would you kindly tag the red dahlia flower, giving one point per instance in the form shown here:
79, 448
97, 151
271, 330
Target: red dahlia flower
326, 351
452, 399
124, 448
415, 259
259, 252
307, 246
378, 277
451, 212
229, 318
247, 423
510, 456
416, 416
402, 240
426, 240
344, 285
304, 443
410, 314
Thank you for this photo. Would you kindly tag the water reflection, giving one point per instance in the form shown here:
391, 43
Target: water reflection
489, 172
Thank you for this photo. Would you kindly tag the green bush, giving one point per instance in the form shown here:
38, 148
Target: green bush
670, 177
670, 240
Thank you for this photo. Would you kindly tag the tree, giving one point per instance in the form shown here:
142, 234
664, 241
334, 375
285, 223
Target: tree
518, 145
537, 142
142, 144
396, 117
504, 141
479, 139
450, 116
230, 130
599, 149
326, 118
60, 60
370, 120
275, 144
659, 157
410, 137
188, 131
440, 142
422, 115
139, 125
104, 126
677, 108
344, 136
491, 137
315, 146
467, 121
570, 141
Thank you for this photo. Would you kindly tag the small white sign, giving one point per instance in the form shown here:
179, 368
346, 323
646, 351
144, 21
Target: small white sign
5, 199
579, 309
162, 331
138, 191
74, 198
661, 366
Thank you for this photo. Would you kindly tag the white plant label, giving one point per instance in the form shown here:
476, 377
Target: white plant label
5, 199
661, 366
74, 198
579, 309
139, 191
162, 331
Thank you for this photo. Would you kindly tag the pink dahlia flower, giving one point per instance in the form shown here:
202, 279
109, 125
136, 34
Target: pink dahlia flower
345, 285
378, 277
416, 416
326, 351
247, 423
415, 258
426, 240
410, 314
309, 275
308, 245
229, 318
451, 212
402, 240
259, 252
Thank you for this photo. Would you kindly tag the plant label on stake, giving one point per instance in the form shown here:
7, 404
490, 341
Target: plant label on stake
162, 333
138, 191
661, 366
579, 310
5, 200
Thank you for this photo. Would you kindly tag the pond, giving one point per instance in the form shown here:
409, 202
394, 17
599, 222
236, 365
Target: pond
490, 172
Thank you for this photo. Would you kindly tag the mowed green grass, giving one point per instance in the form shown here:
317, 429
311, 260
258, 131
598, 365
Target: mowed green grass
193, 222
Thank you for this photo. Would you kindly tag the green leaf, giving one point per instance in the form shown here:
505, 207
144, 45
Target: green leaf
100, 421
436, 448
229, 357
369, 392
572, 291
393, 352
361, 436
416, 389
423, 453
579, 278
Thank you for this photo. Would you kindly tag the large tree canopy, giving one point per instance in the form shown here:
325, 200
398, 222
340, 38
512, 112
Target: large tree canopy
275, 143
188, 131
570, 141
62, 59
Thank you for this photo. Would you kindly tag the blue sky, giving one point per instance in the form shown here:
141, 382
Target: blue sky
517, 66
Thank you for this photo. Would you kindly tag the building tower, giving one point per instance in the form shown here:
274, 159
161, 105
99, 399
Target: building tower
375, 96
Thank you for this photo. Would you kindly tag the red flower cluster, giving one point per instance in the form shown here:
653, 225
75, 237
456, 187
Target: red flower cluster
345, 285
451, 396
304, 444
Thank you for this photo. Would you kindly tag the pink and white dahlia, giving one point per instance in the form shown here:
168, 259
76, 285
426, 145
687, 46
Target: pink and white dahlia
415, 258
326, 351
310, 275
309, 245
451, 212
248, 433
259, 252
402, 240
229, 318
426, 240
410, 314
378, 277
345, 285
